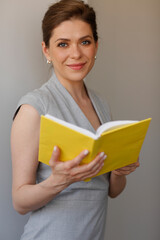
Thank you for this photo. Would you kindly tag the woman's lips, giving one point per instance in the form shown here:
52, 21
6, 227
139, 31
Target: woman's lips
77, 66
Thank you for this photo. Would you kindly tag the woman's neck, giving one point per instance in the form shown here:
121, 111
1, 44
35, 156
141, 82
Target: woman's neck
76, 89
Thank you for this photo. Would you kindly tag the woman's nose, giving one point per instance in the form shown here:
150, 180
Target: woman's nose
75, 52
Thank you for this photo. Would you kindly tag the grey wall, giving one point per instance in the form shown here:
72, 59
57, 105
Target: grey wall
22, 68
127, 73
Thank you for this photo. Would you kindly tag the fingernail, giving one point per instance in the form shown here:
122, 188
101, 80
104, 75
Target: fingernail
55, 148
86, 152
101, 154
105, 156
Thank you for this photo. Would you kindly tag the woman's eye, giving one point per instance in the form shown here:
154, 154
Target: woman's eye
86, 42
62, 45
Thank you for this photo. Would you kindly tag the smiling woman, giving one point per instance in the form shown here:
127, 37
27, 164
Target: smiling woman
63, 206
72, 50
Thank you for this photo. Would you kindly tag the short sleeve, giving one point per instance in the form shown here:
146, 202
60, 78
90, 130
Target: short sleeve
34, 99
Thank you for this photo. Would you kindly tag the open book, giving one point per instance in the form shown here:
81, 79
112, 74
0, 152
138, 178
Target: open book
120, 140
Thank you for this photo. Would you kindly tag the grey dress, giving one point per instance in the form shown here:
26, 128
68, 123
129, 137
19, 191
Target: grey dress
78, 212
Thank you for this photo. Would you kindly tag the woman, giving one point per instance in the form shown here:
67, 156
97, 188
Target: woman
63, 206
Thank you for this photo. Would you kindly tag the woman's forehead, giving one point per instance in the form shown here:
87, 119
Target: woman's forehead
73, 27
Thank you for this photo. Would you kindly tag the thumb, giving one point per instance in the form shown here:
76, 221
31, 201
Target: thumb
55, 156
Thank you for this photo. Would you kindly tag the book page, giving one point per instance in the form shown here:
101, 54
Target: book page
72, 126
112, 125
108, 126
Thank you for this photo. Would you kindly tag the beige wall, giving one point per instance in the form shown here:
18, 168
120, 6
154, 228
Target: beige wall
127, 73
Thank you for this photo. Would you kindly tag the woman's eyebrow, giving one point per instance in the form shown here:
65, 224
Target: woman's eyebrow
62, 39
86, 36
66, 39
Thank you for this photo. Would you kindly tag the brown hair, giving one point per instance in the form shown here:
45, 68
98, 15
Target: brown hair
65, 10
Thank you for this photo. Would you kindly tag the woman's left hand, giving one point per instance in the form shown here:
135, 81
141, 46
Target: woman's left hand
118, 178
127, 169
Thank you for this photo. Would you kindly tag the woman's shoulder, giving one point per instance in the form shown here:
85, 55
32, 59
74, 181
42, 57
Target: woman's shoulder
38, 98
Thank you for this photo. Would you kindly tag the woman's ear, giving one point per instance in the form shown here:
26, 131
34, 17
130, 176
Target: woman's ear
46, 51
96, 47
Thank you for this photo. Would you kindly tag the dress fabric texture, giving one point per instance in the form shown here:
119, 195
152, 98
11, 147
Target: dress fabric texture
78, 212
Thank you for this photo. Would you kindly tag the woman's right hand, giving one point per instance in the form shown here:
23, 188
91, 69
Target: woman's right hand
66, 173
27, 194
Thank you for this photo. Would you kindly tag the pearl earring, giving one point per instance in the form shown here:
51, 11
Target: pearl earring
49, 61
95, 57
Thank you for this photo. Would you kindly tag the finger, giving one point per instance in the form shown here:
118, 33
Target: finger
121, 172
128, 172
118, 173
76, 161
100, 157
128, 167
85, 175
125, 171
55, 156
93, 173
82, 172
66, 166
96, 168
135, 163
90, 167
138, 164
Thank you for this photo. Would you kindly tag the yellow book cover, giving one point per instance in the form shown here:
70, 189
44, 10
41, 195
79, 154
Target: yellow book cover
120, 140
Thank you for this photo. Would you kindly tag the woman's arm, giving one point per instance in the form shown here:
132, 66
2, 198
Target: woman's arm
118, 179
27, 195
24, 149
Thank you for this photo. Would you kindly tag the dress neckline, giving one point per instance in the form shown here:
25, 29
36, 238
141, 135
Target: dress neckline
65, 92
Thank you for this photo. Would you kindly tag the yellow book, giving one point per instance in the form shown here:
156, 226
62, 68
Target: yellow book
120, 140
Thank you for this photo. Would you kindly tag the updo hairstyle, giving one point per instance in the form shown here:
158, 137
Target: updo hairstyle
65, 10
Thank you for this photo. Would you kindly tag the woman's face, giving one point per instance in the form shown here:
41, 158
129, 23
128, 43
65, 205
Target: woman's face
72, 50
